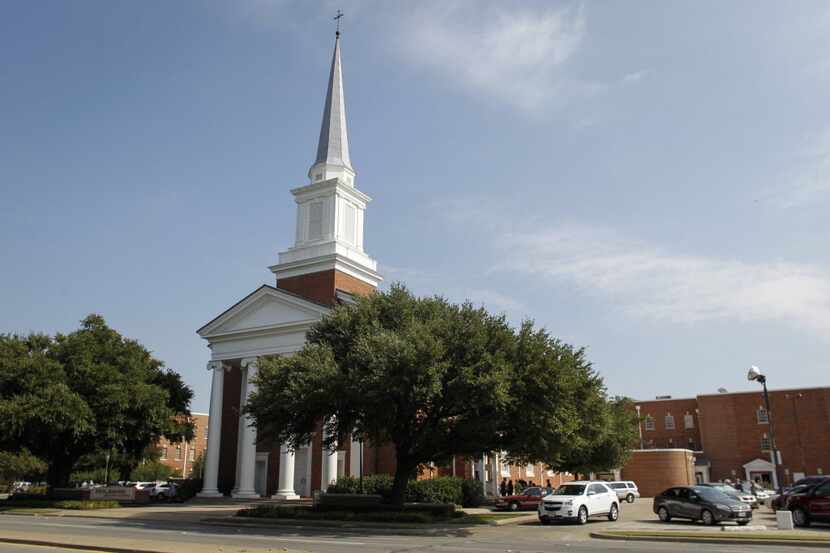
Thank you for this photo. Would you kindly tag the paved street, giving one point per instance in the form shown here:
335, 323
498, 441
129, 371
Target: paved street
188, 536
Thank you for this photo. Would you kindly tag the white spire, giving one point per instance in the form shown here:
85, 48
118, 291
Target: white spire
333, 148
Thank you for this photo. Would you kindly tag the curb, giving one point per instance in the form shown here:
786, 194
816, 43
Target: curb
711, 539
78, 546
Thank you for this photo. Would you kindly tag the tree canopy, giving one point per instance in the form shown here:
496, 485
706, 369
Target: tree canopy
434, 379
87, 392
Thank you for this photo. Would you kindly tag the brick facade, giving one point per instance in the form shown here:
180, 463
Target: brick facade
732, 429
658, 469
181, 456
322, 287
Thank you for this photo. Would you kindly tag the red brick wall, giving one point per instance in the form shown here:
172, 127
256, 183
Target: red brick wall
178, 456
733, 435
321, 286
230, 428
661, 437
657, 469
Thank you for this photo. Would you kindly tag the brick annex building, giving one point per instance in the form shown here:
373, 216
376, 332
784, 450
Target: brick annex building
729, 433
180, 456
326, 266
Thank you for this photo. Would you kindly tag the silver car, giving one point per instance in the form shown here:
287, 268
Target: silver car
626, 490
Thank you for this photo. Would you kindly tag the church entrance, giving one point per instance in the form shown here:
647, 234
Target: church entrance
302, 472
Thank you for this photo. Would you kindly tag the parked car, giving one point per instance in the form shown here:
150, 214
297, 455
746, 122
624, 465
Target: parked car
145, 485
746, 497
578, 501
811, 503
778, 502
164, 491
626, 490
705, 503
526, 501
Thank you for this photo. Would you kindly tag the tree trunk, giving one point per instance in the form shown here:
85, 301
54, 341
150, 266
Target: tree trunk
59, 472
404, 471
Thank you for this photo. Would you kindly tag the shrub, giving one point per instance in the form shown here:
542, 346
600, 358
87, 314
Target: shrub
382, 515
151, 471
444, 489
472, 493
188, 488
373, 484
75, 505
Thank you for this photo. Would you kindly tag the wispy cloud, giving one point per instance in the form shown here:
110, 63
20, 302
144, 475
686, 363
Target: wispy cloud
809, 179
652, 283
513, 53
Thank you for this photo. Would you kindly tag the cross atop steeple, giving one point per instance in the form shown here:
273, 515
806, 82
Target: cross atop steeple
333, 147
337, 18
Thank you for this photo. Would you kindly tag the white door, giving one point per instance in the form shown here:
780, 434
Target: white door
261, 474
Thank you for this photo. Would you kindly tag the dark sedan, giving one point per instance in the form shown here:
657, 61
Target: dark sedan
701, 503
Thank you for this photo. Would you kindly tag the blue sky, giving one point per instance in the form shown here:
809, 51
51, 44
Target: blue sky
650, 183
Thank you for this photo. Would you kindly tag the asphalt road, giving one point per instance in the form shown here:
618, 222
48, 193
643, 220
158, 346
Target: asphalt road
160, 535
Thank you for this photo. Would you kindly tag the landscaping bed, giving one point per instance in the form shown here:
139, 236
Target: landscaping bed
45, 503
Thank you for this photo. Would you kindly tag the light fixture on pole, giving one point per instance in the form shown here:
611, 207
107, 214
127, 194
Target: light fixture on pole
755, 374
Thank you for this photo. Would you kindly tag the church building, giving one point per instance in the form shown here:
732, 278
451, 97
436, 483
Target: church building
326, 266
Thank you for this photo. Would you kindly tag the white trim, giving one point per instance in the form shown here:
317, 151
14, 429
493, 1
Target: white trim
328, 262
209, 330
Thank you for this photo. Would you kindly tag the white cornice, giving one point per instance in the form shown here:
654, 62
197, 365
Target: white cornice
325, 263
322, 188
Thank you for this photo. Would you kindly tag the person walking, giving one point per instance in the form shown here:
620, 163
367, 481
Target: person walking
503, 487
510, 487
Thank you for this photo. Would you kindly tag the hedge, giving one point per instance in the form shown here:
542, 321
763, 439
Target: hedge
411, 514
71, 504
444, 489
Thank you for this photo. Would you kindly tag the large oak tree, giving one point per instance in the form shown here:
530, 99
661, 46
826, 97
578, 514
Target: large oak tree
89, 391
435, 380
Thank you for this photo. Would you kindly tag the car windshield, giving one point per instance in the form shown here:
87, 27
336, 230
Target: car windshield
618, 486
712, 494
570, 489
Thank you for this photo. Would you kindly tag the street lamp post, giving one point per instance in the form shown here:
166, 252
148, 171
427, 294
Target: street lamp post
754, 373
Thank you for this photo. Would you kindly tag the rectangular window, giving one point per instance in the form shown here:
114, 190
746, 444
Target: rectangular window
191, 454
530, 470
669, 422
649, 423
689, 421
164, 452
315, 221
765, 443
178, 452
763, 416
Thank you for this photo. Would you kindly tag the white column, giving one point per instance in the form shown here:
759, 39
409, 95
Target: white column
247, 448
495, 474
329, 467
481, 473
286, 478
211, 474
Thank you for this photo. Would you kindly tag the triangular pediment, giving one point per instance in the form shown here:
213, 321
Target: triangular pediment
759, 465
265, 308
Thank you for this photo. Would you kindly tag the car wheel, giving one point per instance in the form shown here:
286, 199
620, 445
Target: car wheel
743, 522
514, 506
664, 514
707, 517
630, 498
800, 518
582, 517
614, 513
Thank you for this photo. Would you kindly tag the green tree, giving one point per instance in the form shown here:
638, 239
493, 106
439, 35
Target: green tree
85, 392
20, 466
429, 377
197, 467
151, 471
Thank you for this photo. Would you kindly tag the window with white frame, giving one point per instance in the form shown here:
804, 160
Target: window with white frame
688, 421
669, 421
765, 443
530, 470
648, 422
763, 416
164, 452
505, 469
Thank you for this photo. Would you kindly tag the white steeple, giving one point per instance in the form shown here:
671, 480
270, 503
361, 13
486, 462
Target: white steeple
333, 147
330, 209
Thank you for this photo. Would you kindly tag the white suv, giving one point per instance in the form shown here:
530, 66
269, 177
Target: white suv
578, 501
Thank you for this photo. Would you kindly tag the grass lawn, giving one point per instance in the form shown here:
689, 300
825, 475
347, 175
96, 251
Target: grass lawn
28, 506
